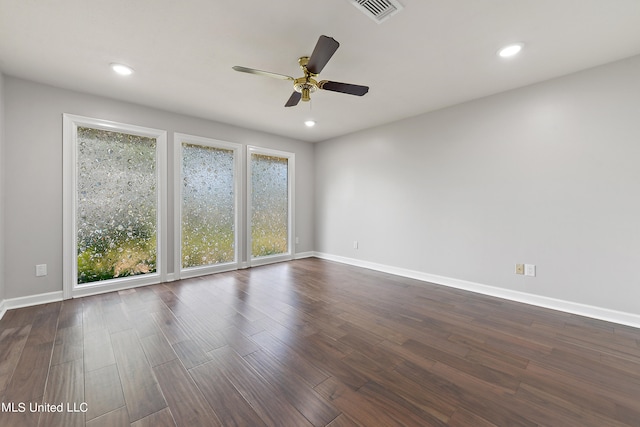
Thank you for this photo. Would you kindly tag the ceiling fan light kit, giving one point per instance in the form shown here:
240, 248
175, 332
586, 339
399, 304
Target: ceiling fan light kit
312, 66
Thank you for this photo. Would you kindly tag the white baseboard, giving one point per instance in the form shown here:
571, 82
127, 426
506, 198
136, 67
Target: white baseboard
301, 255
10, 304
600, 313
623, 318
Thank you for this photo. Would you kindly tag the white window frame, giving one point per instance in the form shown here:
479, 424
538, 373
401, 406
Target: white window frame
178, 140
70, 287
289, 255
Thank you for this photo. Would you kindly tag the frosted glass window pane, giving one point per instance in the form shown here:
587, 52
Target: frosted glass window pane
269, 205
208, 235
116, 210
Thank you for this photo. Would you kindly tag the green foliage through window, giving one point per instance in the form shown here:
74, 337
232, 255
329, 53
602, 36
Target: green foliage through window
208, 212
269, 205
116, 205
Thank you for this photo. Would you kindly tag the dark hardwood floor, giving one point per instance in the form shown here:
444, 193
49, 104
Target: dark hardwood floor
311, 342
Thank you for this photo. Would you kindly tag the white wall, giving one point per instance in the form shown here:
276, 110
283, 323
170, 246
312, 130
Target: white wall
547, 174
33, 194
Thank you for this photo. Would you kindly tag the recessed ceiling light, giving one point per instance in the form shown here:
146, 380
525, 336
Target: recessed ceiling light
511, 50
123, 70
309, 123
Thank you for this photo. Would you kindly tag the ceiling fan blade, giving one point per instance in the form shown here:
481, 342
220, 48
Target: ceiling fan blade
294, 99
322, 53
343, 87
261, 73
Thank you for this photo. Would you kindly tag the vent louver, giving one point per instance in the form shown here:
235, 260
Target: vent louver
378, 10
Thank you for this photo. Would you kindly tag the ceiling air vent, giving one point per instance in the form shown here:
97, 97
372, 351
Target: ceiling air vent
378, 10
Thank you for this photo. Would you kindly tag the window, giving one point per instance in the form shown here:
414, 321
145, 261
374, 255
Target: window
270, 205
114, 205
207, 216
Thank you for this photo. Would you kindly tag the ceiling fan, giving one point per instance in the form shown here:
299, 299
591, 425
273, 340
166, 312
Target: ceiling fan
312, 66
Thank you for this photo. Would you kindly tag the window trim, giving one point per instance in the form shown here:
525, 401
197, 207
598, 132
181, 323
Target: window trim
70, 287
251, 261
178, 140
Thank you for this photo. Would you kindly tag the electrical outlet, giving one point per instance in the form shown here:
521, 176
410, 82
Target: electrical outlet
297, 240
519, 268
355, 244
41, 270
529, 270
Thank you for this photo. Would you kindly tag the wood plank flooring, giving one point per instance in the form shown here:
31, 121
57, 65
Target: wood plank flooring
312, 343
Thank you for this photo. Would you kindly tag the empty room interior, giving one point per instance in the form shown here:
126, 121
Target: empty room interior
337, 213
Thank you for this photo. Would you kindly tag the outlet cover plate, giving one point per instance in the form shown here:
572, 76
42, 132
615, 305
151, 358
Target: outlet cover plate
530, 270
519, 268
41, 270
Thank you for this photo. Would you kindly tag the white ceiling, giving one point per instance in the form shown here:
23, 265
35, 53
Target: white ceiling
433, 54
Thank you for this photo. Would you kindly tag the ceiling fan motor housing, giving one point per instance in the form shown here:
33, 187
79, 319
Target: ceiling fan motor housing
305, 85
